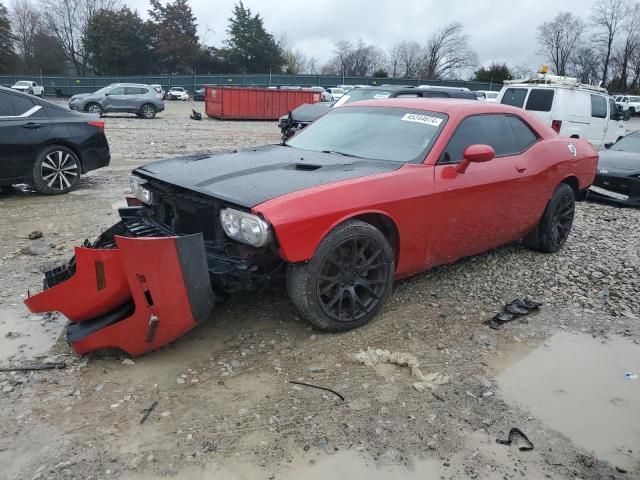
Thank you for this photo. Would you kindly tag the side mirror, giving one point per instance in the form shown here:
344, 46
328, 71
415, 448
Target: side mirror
475, 154
608, 145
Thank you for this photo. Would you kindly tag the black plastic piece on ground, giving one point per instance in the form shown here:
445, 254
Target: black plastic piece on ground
512, 433
512, 310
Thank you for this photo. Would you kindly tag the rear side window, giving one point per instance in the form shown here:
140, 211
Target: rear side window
22, 105
6, 105
435, 95
523, 136
514, 97
117, 91
135, 91
598, 106
540, 100
508, 135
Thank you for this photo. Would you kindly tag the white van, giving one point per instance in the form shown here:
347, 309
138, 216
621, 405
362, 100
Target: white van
570, 108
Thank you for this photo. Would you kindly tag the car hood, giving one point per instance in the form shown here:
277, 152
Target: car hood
617, 161
80, 96
309, 112
250, 177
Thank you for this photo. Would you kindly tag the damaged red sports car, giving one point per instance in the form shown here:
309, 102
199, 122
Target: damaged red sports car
371, 192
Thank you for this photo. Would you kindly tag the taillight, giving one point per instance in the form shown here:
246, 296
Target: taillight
556, 125
97, 124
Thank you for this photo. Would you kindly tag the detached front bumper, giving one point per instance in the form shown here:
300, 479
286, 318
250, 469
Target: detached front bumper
128, 293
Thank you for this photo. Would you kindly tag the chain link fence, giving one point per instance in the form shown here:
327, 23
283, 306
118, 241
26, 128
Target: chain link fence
67, 86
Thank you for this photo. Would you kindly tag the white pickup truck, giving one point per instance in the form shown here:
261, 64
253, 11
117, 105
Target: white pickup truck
30, 87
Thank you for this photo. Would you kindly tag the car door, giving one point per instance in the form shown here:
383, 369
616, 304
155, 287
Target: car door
615, 127
598, 122
114, 100
487, 205
23, 128
135, 98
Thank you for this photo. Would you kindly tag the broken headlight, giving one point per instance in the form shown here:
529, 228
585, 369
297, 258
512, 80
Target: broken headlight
245, 227
139, 190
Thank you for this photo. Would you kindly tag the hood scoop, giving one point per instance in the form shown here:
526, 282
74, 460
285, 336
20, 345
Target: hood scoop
306, 167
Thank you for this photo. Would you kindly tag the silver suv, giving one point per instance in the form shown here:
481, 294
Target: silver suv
143, 100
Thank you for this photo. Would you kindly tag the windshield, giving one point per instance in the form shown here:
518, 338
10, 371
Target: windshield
23, 83
392, 134
102, 91
358, 94
630, 143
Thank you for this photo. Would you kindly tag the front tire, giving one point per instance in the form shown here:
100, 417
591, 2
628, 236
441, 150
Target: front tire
148, 111
556, 222
95, 108
56, 171
347, 281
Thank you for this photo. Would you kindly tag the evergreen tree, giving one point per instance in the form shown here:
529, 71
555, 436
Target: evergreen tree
496, 73
174, 36
8, 57
117, 43
250, 48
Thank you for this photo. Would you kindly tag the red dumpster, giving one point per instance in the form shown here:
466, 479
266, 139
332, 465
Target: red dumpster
238, 103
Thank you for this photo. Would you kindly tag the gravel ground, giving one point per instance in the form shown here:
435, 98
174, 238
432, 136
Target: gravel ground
222, 391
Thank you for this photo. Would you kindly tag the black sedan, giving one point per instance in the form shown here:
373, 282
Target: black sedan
618, 175
47, 146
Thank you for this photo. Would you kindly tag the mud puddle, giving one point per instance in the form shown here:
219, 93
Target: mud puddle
24, 335
576, 385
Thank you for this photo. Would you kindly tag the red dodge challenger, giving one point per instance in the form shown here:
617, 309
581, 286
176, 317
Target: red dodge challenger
371, 192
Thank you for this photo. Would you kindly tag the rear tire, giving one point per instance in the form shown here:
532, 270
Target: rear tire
347, 281
56, 171
148, 111
554, 227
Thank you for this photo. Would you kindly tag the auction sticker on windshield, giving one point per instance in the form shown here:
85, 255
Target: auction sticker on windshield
426, 119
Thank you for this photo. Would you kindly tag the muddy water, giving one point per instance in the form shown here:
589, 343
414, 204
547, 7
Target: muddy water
575, 384
24, 335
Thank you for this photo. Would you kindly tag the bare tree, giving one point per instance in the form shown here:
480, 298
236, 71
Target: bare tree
584, 65
351, 59
410, 59
67, 21
394, 60
558, 39
295, 59
448, 53
606, 18
26, 25
631, 42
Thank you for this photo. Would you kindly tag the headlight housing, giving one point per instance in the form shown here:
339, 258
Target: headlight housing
139, 191
245, 227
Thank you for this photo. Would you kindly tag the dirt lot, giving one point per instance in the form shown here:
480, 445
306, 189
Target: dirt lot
225, 408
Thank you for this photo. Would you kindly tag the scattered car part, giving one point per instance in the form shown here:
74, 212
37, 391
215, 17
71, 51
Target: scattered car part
407, 167
46, 146
147, 411
34, 367
318, 387
195, 115
513, 433
512, 310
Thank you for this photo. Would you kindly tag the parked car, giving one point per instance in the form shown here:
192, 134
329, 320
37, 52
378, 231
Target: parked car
305, 114
371, 192
335, 93
630, 104
487, 95
143, 100
198, 95
570, 108
30, 87
45, 145
618, 175
177, 93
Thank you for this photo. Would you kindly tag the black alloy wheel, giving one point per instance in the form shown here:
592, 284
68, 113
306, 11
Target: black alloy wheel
554, 227
56, 171
348, 279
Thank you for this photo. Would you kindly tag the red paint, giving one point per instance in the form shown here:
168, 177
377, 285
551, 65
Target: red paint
150, 264
84, 286
441, 214
237, 103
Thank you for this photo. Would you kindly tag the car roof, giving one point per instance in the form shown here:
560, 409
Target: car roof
127, 85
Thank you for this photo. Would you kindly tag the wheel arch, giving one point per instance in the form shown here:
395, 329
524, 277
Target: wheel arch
574, 183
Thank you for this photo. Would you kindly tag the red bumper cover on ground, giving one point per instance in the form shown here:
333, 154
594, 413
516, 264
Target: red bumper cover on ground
137, 297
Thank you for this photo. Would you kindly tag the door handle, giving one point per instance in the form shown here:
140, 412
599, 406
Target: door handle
32, 125
521, 168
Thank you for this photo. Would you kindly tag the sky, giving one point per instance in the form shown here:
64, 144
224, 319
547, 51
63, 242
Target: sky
500, 30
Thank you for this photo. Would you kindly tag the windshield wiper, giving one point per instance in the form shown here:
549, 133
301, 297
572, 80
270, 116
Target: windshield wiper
334, 152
